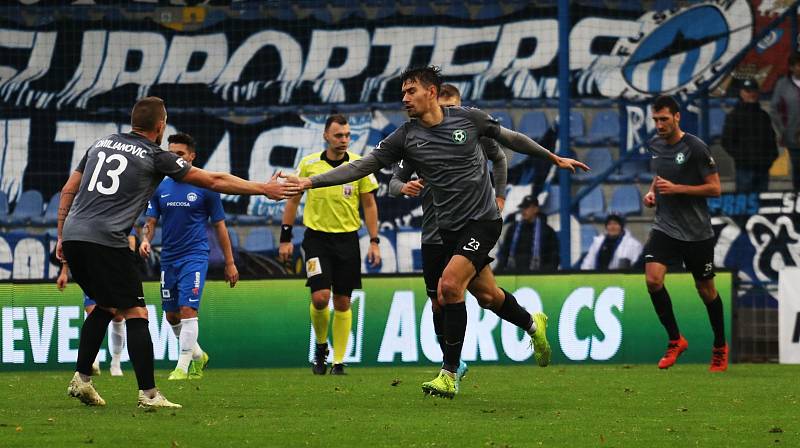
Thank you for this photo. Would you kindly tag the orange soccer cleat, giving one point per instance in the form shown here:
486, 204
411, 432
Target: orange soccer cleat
674, 349
719, 359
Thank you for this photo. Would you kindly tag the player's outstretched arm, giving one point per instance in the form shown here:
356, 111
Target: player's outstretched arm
68, 193
525, 145
230, 184
342, 174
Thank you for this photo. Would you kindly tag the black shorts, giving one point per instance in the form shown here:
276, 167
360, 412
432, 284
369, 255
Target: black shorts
109, 275
333, 261
474, 241
433, 263
697, 256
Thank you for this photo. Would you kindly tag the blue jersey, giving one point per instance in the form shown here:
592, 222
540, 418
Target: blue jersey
185, 211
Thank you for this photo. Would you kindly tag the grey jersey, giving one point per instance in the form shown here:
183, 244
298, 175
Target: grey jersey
450, 159
402, 173
120, 173
687, 162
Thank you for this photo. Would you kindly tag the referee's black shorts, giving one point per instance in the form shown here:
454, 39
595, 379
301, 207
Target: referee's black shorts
474, 241
697, 256
333, 261
109, 275
433, 264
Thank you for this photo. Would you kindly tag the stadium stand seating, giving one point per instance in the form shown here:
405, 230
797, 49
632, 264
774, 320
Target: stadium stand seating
457, 10
626, 200
604, 129
551, 204
29, 207
533, 124
716, 120
630, 169
233, 235
3, 207
577, 128
600, 160
588, 232
259, 241
592, 206
504, 118
50, 216
245, 219
297, 234
489, 11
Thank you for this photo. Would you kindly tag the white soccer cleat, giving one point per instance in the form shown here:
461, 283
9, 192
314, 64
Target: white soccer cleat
159, 401
115, 369
84, 391
96, 368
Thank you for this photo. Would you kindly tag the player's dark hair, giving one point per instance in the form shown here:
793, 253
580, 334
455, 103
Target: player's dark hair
666, 101
335, 118
186, 139
449, 91
147, 113
427, 76
794, 58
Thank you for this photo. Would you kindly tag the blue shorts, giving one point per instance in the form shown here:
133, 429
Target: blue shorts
87, 301
182, 284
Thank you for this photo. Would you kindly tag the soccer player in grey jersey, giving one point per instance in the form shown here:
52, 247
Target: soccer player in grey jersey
442, 144
685, 176
96, 213
433, 256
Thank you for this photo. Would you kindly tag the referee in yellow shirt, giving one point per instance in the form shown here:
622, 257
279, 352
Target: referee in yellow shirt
333, 257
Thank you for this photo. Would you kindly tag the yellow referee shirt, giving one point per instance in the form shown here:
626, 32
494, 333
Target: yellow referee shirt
333, 209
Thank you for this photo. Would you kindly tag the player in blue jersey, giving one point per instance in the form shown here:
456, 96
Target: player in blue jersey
186, 210
116, 340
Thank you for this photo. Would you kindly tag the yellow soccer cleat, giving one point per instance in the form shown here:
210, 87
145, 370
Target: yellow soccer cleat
541, 348
197, 367
443, 386
178, 374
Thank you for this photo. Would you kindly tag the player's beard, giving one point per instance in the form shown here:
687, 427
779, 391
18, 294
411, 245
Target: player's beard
160, 136
413, 113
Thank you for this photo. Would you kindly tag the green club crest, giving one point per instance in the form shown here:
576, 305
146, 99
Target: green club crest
459, 136
680, 158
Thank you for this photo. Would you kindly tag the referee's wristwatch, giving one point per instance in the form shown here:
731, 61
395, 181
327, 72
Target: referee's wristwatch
375, 240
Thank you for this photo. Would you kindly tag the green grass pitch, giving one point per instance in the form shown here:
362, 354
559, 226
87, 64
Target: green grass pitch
499, 406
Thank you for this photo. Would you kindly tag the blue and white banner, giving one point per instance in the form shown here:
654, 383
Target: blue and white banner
218, 56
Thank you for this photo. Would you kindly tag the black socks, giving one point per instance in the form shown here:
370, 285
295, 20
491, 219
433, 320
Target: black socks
513, 312
715, 316
438, 328
140, 349
455, 326
663, 305
92, 334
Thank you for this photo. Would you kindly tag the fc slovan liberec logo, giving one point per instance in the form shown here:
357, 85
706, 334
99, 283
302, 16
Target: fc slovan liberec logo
192, 196
677, 50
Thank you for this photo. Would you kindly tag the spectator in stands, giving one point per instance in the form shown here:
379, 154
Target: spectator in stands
786, 114
528, 244
749, 138
617, 249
